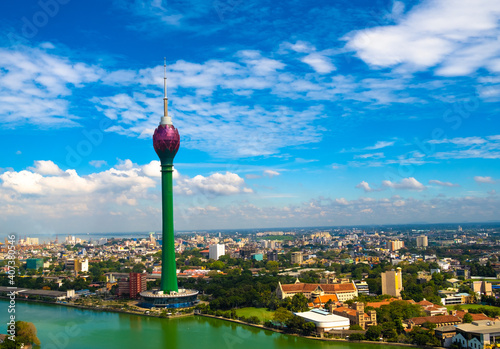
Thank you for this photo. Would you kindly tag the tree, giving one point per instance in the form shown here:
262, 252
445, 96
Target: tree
25, 334
299, 303
355, 328
356, 337
467, 318
272, 266
138, 268
373, 333
281, 315
423, 337
308, 328
217, 265
429, 325
253, 320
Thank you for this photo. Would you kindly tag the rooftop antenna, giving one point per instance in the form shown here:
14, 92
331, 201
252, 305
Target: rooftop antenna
165, 120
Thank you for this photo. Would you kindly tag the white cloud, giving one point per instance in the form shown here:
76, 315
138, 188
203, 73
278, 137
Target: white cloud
480, 179
223, 129
380, 145
461, 44
365, 186
299, 46
98, 163
469, 148
69, 183
214, 185
462, 141
270, 173
370, 156
443, 184
46, 167
320, 63
165, 13
406, 184
34, 84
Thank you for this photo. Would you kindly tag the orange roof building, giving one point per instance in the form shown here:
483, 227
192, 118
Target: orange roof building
439, 320
356, 314
343, 292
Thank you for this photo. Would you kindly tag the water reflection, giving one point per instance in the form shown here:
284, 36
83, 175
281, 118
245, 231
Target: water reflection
122, 331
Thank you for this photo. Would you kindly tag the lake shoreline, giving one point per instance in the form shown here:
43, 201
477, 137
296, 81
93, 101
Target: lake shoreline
261, 327
309, 337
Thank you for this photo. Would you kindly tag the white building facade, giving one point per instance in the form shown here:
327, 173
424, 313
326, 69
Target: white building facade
216, 250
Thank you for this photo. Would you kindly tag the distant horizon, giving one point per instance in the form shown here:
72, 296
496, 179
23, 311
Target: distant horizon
211, 231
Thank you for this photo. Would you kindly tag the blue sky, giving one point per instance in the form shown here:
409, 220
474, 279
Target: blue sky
290, 113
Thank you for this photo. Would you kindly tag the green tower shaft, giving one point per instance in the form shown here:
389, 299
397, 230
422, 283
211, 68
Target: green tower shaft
168, 266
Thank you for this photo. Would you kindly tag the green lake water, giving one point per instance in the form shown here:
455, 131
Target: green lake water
61, 327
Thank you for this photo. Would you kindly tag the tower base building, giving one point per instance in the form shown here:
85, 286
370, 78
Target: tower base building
159, 299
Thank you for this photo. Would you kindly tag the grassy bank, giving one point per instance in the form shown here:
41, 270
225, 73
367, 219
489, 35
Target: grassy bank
471, 306
262, 313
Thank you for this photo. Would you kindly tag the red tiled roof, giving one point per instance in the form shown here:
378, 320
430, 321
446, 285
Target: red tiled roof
325, 298
475, 317
303, 287
425, 303
385, 302
339, 287
344, 310
439, 319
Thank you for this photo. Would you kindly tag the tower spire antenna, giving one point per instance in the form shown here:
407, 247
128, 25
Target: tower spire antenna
165, 78
165, 120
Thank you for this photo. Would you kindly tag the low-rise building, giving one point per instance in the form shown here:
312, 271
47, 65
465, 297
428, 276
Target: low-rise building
356, 314
432, 309
438, 320
324, 320
322, 301
343, 292
445, 335
478, 334
362, 287
34, 263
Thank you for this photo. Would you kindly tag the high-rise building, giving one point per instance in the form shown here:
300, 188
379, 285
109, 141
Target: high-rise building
422, 241
123, 287
395, 245
81, 265
247, 251
392, 282
152, 239
77, 265
272, 256
137, 284
166, 141
482, 288
297, 258
215, 251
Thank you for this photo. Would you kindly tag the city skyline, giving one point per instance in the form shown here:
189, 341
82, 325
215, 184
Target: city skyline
290, 114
